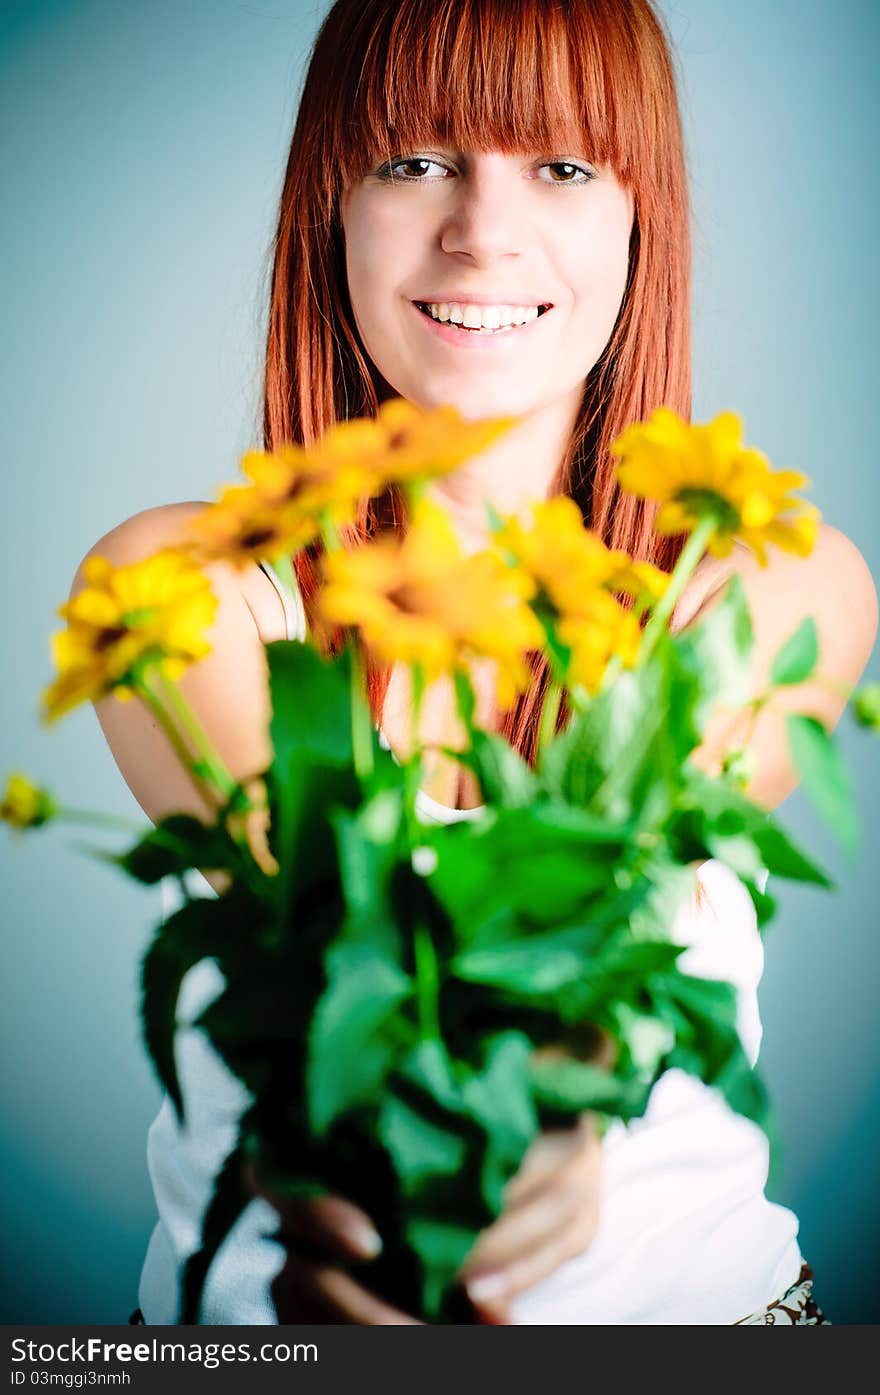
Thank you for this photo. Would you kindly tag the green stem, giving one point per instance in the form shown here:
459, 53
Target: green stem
690, 555
332, 539
612, 669
754, 708
215, 769
93, 816
361, 717
427, 984
147, 688
549, 717
415, 764
414, 491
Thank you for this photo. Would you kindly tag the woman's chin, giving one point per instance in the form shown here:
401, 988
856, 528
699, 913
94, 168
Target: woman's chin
474, 400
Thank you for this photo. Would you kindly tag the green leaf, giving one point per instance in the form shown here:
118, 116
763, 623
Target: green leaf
536, 963
176, 844
421, 1149
371, 844
311, 712
708, 1044
721, 647
499, 1099
429, 1067
505, 779
712, 810
865, 706
825, 777
229, 1199
667, 886
570, 1086
783, 858
494, 866
258, 1024
312, 766
303, 799
182, 941
764, 904
496, 1095
442, 1247
798, 656
644, 1038
619, 970
349, 1056
623, 724
622, 756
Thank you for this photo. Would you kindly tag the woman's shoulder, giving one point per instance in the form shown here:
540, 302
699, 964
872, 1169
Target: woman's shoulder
165, 525
709, 576
834, 580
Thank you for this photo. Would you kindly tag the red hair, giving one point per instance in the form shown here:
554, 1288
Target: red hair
390, 76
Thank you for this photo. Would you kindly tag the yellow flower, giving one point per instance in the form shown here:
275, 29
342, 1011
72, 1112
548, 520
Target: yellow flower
24, 804
403, 442
602, 630
567, 561
421, 444
420, 600
694, 470
153, 612
243, 527
293, 487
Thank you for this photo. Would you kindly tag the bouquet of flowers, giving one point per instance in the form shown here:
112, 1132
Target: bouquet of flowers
407, 1004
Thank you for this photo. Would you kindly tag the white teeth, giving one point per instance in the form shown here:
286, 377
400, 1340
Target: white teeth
487, 317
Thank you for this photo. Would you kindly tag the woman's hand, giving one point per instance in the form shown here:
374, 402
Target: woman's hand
551, 1211
310, 1287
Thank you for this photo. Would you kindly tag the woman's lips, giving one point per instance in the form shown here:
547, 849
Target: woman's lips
472, 339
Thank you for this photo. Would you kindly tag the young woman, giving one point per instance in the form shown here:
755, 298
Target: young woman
486, 205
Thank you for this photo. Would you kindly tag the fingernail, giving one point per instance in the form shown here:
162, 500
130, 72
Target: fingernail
486, 1286
368, 1240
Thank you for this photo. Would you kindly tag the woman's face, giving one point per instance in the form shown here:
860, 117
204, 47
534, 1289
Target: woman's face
490, 231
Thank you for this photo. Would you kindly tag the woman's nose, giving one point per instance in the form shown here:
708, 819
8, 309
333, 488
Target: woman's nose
487, 220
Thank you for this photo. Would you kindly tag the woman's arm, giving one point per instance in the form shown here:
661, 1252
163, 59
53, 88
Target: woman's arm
228, 690
835, 587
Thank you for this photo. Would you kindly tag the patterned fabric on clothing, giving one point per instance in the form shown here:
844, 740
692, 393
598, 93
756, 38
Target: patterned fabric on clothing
795, 1308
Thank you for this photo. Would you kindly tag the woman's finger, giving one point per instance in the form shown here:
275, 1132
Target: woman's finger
551, 1152
527, 1271
532, 1226
305, 1291
331, 1223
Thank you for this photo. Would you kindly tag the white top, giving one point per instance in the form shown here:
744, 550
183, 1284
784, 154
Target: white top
686, 1234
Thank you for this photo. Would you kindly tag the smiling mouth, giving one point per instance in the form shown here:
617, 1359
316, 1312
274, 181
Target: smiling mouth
502, 329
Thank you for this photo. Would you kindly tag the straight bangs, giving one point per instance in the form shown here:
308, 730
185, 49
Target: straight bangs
473, 75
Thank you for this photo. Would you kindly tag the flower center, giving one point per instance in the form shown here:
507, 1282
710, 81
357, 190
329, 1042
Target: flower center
701, 502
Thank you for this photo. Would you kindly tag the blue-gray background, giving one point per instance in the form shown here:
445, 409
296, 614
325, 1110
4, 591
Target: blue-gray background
143, 144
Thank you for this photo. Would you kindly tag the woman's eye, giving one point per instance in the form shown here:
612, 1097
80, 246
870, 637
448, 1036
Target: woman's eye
568, 169
389, 171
